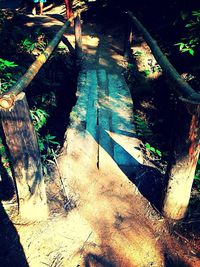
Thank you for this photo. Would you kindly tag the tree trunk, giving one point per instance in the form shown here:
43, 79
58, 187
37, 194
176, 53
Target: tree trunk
183, 166
25, 156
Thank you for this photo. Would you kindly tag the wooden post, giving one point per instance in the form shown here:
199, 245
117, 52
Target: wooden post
183, 166
78, 38
127, 39
68, 6
25, 156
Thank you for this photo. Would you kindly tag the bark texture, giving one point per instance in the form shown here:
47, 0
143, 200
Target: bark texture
25, 156
183, 165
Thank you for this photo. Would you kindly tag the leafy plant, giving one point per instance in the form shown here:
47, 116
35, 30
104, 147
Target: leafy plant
46, 144
27, 45
7, 78
6, 64
5, 162
46, 141
190, 43
147, 72
142, 127
31, 43
137, 53
197, 176
39, 117
153, 150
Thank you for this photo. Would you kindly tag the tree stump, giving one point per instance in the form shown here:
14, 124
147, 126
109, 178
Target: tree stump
24, 151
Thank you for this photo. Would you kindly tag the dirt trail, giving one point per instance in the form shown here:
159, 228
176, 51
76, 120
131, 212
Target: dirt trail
111, 223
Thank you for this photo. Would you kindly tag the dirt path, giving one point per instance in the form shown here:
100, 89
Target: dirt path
111, 223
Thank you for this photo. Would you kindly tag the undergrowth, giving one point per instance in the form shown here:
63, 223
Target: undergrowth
43, 99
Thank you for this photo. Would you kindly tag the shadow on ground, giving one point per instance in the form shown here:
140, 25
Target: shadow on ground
11, 250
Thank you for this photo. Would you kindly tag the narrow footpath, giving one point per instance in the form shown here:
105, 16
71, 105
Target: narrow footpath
110, 224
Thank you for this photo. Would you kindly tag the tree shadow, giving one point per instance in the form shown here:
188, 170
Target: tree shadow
91, 259
147, 179
174, 262
11, 250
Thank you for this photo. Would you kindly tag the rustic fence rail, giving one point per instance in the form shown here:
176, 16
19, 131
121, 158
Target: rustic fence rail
186, 135
21, 137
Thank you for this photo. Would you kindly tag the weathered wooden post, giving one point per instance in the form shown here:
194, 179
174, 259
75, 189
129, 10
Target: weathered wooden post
187, 139
22, 140
127, 38
23, 147
78, 38
68, 6
184, 161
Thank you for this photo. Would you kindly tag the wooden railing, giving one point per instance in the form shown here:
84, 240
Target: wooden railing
21, 137
187, 143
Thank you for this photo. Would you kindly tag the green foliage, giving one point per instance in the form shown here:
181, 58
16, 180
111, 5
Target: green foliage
4, 159
143, 130
27, 45
137, 54
147, 72
152, 69
39, 118
46, 145
35, 42
6, 64
197, 176
39, 115
155, 152
7, 78
142, 127
41, 105
190, 43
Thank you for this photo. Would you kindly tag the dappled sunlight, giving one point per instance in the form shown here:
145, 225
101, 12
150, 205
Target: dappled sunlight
90, 44
118, 58
126, 142
106, 200
145, 61
96, 211
90, 41
46, 21
71, 39
60, 238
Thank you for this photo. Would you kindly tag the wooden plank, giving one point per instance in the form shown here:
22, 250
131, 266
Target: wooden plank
104, 119
122, 106
91, 117
79, 111
122, 118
